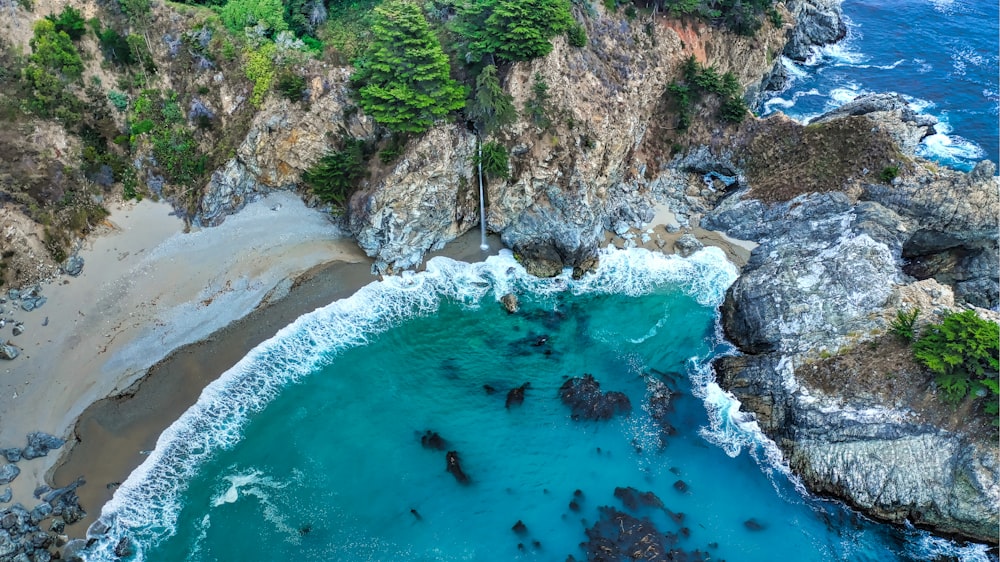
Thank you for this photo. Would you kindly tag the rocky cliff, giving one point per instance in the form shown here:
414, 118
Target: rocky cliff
855, 416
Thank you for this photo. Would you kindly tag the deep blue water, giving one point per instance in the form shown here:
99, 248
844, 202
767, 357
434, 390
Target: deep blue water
309, 449
941, 55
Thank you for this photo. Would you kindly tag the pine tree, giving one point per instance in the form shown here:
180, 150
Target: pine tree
513, 30
404, 74
490, 107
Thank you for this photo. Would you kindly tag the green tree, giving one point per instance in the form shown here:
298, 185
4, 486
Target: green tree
538, 105
239, 14
70, 21
514, 30
490, 107
403, 76
54, 50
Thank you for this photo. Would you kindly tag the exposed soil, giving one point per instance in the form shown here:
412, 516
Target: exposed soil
883, 372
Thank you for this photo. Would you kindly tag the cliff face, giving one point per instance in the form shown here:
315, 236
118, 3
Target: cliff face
571, 180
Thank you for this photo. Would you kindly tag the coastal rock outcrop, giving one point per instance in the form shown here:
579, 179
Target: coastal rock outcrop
830, 272
818, 22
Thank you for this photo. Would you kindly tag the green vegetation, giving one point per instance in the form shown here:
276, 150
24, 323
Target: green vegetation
537, 107
259, 68
54, 63
70, 22
962, 351
159, 119
889, 173
577, 35
739, 16
490, 107
902, 326
494, 159
699, 80
240, 14
291, 86
335, 176
513, 30
403, 76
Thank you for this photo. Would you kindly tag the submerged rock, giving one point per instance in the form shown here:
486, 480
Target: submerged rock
516, 396
620, 536
455, 467
587, 402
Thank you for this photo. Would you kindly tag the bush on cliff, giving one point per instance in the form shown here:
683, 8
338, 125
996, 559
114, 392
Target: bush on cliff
403, 78
335, 176
962, 351
490, 107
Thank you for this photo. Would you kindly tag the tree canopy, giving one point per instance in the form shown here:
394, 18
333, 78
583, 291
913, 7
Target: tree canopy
238, 14
404, 74
513, 30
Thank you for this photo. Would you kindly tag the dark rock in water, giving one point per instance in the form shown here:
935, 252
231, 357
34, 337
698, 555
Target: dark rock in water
540, 341
303, 530
432, 440
516, 395
73, 266
39, 445
42, 489
8, 351
416, 514
510, 303
124, 548
537, 544
489, 389
633, 499
685, 532
12, 454
8, 473
585, 399
519, 527
455, 467
677, 518
6, 495
682, 487
577, 493
754, 525
574, 506
619, 536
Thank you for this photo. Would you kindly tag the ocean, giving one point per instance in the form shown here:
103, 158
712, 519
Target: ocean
312, 447
940, 55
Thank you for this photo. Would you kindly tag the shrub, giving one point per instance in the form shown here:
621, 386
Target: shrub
889, 173
334, 177
902, 326
494, 160
260, 70
490, 107
240, 14
577, 35
119, 100
537, 106
962, 352
291, 86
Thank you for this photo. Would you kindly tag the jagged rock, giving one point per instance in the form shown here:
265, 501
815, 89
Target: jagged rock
818, 277
6, 495
18, 329
817, 22
40, 513
39, 445
687, 245
31, 303
8, 351
73, 266
8, 473
889, 112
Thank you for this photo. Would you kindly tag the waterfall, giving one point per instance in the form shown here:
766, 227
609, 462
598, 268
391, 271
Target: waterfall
482, 199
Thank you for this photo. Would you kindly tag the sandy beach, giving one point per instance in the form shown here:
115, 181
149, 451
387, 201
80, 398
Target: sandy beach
158, 314
146, 289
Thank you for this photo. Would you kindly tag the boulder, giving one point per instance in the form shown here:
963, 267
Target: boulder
817, 22
687, 245
39, 445
8, 473
6, 495
73, 266
8, 351
584, 397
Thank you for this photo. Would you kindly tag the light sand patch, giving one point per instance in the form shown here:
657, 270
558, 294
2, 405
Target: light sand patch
146, 289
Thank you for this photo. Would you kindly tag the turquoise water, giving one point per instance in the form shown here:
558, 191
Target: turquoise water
310, 448
941, 55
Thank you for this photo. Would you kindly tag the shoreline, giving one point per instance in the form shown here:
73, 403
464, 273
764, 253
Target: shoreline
110, 435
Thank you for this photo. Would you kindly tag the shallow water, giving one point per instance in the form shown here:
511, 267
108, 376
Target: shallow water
310, 448
941, 55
